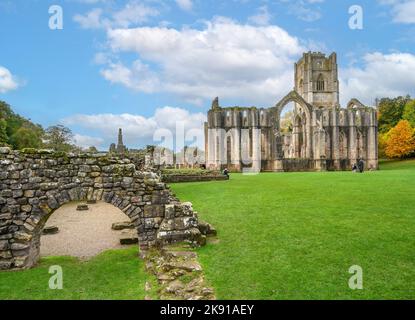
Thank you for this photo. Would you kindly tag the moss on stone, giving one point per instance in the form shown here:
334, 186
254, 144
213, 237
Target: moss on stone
29, 151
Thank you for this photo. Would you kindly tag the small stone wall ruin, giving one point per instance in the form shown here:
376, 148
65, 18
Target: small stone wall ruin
33, 184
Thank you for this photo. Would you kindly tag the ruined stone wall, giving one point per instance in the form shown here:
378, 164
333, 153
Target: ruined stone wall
33, 184
336, 139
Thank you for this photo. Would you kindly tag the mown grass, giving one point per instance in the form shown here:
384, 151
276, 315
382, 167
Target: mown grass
295, 235
114, 274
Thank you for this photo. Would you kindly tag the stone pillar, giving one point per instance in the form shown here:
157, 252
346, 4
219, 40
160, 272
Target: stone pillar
236, 148
336, 140
256, 149
206, 131
295, 141
211, 160
309, 142
320, 149
219, 149
352, 137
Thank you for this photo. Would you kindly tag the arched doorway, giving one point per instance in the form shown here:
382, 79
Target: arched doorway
301, 130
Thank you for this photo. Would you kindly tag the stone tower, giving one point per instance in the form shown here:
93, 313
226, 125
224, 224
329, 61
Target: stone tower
120, 146
316, 79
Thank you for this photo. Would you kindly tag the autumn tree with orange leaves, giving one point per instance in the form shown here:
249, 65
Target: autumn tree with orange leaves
401, 140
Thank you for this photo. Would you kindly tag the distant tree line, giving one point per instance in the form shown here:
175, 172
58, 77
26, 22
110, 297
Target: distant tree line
20, 133
396, 127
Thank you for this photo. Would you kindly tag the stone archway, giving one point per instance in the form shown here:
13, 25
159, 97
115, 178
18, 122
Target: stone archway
36, 183
355, 103
306, 109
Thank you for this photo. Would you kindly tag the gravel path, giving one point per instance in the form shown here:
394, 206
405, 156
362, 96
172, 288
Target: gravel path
83, 234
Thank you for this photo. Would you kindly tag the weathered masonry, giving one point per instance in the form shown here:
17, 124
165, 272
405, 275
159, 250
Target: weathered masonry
323, 136
33, 184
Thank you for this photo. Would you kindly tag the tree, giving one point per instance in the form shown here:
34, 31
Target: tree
25, 138
59, 138
409, 112
390, 112
13, 125
401, 140
383, 140
3, 133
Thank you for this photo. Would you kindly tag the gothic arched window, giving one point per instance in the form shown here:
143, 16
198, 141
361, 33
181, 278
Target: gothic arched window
320, 83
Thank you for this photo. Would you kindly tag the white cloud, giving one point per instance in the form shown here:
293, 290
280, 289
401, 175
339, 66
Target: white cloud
87, 141
305, 10
186, 5
92, 20
138, 77
132, 14
262, 18
382, 75
403, 11
8, 82
137, 130
251, 63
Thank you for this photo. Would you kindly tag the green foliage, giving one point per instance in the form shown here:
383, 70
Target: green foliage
391, 112
4, 139
25, 138
59, 138
295, 235
409, 112
17, 131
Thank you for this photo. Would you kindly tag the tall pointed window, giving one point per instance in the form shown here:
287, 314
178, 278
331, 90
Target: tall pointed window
320, 83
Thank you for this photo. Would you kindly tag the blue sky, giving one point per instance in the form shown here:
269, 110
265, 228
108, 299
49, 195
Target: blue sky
146, 64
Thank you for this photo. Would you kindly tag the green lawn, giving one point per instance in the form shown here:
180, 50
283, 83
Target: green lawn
115, 274
295, 235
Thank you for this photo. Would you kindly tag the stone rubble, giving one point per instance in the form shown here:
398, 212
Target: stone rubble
179, 275
122, 225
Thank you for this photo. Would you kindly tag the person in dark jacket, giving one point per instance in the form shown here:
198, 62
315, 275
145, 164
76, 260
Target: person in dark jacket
226, 172
361, 165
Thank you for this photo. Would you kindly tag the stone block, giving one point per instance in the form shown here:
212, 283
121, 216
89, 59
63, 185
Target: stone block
122, 225
153, 211
129, 237
82, 207
26, 208
50, 230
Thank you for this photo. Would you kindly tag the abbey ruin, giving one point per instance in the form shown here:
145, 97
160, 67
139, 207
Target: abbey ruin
323, 135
